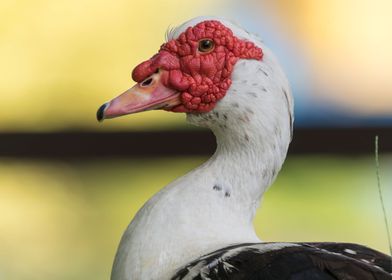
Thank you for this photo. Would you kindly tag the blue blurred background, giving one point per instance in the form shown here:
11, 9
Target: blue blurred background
61, 217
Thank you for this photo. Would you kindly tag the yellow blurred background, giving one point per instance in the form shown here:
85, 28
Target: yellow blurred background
348, 44
61, 59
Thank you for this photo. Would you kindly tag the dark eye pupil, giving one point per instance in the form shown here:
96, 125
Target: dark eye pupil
206, 45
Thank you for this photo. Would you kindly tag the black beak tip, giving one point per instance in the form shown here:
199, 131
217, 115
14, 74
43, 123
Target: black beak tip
101, 112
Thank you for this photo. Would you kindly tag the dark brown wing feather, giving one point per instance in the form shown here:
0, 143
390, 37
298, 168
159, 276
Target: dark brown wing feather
358, 252
306, 261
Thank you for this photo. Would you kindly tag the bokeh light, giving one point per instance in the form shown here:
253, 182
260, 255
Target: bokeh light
60, 60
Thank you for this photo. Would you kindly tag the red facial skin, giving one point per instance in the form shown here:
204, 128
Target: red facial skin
201, 78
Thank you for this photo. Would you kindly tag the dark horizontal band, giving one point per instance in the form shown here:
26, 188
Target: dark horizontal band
68, 145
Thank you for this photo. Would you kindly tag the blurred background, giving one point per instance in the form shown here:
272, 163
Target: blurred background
69, 186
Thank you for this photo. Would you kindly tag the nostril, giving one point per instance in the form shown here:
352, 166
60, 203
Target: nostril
146, 82
156, 71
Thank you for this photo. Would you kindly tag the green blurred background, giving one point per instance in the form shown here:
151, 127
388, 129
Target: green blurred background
62, 219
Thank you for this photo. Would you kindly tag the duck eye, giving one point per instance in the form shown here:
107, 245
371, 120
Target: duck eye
206, 45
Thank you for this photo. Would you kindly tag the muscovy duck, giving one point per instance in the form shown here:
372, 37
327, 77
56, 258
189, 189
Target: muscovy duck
200, 225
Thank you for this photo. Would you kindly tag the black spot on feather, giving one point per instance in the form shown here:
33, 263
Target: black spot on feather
246, 137
251, 93
249, 110
223, 126
262, 71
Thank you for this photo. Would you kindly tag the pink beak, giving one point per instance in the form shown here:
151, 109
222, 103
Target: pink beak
150, 94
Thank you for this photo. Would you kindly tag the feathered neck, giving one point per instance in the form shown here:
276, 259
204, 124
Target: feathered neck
213, 206
247, 163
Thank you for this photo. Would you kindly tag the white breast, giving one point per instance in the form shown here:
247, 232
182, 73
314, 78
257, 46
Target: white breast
184, 221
